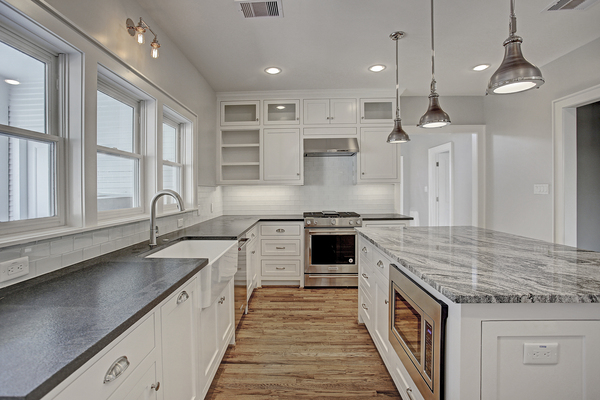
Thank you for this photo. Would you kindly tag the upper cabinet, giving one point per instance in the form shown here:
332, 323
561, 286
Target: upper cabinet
240, 113
378, 160
282, 153
377, 111
329, 111
281, 112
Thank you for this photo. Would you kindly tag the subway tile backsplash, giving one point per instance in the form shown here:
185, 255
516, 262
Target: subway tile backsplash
329, 184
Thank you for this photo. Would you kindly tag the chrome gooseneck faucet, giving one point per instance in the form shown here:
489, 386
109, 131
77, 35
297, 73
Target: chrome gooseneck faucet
153, 226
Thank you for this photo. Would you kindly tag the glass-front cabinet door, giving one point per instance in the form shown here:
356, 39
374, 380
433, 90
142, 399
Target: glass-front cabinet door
240, 113
281, 112
377, 111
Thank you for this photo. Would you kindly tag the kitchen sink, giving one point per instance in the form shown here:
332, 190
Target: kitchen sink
211, 249
222, 265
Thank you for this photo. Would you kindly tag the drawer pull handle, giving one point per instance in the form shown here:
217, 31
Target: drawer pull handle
253, 252
222, 300
409, 392
183, 296
364, 249
365, 276
365, 307
279, 248
116, 369
155, 386
387, 301
280, 230
279, 267
380, 264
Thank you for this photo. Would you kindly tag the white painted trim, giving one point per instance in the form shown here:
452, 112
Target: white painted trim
564, 163
432, 152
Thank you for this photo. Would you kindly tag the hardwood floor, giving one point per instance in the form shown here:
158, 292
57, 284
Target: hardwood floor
302, 343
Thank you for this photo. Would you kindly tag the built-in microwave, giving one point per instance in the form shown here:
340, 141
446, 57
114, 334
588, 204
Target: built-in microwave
417, 332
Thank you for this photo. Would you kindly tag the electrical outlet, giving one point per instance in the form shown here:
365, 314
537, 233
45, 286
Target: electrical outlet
14, 268
540, 353
180, 222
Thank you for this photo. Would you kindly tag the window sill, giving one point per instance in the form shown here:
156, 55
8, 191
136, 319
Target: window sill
53, 233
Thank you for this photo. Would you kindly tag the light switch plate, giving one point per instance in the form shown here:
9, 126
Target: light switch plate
540, 353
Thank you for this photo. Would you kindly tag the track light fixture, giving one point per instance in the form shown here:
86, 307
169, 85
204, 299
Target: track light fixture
515, 74
139, 30
397, 135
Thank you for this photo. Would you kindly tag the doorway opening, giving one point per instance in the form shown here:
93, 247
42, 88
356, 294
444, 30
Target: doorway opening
441, 161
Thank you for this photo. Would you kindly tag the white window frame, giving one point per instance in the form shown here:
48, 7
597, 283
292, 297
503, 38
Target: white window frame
121, 94
54, 132
171, 120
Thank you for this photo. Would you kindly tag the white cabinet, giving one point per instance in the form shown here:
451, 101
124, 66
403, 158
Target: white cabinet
240, 113
282, 152
179, 343
281, 252
377, 111
142, 387
216, 327
378, 159
239, 156
329, 111
281, 112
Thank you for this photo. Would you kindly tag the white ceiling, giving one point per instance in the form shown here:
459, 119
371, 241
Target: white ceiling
329, 44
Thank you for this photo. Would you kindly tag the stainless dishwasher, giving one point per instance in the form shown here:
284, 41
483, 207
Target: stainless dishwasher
240, 299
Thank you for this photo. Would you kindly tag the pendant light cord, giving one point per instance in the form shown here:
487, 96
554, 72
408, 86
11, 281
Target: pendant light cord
513, 19
397, 95
432, 54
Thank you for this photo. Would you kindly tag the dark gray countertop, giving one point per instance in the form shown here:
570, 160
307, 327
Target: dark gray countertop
383, 217
53, 324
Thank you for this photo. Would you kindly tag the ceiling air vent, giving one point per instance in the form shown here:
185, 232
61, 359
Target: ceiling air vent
568, 5
253, 9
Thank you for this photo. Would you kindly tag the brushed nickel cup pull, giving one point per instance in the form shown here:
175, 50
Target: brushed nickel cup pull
155, 386
409, 392
116, 369
280, 230
279, 248
183, 296
365, 276
365, 307
364, 249
387, 301
279, 267
380, 264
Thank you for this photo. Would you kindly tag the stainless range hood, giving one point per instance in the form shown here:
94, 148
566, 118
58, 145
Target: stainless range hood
330, 147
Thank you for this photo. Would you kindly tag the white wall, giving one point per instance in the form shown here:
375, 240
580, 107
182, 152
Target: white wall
416, 174
519, 144
328, 185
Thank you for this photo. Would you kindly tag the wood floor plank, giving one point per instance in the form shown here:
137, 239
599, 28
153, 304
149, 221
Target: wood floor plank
302, 344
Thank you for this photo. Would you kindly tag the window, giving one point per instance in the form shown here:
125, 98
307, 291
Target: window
118, 158
172, 164
30, 144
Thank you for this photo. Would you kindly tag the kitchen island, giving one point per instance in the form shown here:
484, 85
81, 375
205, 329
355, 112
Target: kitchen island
503, 291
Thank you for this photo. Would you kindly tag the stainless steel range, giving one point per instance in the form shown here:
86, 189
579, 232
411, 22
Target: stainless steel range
330, 249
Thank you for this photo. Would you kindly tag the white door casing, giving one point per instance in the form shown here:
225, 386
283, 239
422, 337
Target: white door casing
441, 160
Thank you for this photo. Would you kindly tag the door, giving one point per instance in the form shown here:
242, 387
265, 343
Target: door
440, 185
281, 155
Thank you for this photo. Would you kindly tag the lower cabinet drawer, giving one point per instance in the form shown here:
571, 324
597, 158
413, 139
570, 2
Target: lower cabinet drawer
364, 308
130, 351
278, 247
280, 230
280, 268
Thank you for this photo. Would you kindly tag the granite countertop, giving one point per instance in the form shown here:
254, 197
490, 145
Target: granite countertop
53, 324
383, 217
473, 265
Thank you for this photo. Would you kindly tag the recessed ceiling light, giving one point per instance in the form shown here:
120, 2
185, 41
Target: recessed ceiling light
281, 107
12, 82
481, 67
273, 70
376, 68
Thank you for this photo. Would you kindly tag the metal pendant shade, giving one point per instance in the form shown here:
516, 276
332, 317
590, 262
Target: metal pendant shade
397, 135
515, 74
435, 117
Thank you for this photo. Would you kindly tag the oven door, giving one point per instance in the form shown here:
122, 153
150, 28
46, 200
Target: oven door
417, 329
330, 251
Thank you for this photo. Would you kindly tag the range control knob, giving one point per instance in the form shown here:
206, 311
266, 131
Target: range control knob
350, 222
308, 222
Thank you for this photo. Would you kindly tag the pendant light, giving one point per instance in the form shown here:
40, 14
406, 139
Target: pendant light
397, 135
435, 117
515, 74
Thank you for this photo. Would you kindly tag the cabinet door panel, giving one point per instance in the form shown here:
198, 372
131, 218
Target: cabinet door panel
179, 344
316, 111
281, 155
378, 159
343, 111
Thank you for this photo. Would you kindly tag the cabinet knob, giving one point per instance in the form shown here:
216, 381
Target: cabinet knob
387, 301
222, 300
409, 392
256, 119
155, 386
253, 252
